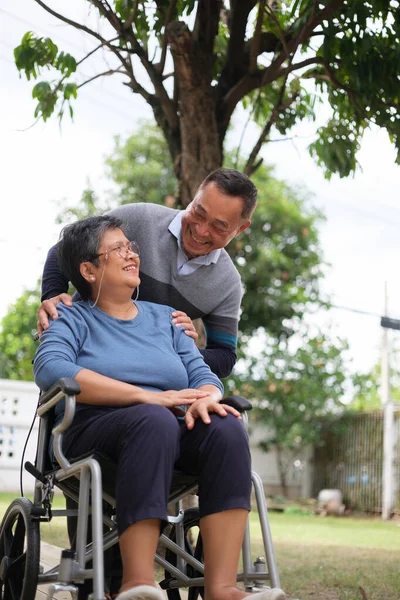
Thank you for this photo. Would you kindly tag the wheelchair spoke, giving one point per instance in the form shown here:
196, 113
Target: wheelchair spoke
17, 545
13, 589
17, 565
6, 543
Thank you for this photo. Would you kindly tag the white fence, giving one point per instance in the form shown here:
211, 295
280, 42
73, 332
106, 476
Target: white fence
18, 400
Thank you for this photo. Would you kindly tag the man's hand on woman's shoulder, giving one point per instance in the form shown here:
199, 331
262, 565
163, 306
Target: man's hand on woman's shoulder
181, 319
48, 309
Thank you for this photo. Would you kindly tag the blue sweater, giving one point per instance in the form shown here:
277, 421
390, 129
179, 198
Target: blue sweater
148, 351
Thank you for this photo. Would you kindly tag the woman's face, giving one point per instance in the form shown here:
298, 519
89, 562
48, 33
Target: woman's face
120, 260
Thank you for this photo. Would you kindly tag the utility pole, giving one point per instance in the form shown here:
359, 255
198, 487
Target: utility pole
388, 414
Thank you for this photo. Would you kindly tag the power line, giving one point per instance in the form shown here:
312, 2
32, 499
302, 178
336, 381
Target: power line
356, 310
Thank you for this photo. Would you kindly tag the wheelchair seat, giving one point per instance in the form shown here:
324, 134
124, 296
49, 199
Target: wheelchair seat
88, 483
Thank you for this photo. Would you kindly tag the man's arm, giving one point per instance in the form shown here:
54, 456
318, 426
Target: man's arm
53, 281
54, 288
220, 359
221, 328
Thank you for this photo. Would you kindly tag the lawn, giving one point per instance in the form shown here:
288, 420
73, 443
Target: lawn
319, 558
328, 558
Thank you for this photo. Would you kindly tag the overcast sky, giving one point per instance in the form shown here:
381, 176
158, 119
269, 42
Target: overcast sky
42, 164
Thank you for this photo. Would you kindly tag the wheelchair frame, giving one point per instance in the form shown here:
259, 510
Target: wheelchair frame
72, 569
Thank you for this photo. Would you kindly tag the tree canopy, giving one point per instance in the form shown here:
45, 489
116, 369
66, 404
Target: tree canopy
294, 385
279, 256
17, 346
194, 62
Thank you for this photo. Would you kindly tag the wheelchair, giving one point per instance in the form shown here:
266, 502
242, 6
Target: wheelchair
179, 552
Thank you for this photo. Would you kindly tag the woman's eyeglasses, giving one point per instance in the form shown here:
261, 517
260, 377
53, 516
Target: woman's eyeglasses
123, 250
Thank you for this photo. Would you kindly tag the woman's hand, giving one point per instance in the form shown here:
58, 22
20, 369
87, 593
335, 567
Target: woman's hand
181, 319
203, 407
172, 398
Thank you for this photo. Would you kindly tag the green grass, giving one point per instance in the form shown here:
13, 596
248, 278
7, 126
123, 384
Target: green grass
54, 532
333, 531
319, 558
327, 558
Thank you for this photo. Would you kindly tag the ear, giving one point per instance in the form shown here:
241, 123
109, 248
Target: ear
87, 272
243, 227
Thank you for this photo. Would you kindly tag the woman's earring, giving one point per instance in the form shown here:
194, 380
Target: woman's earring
137, 294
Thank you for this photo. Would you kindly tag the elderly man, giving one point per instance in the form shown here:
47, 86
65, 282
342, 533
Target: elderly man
183, 263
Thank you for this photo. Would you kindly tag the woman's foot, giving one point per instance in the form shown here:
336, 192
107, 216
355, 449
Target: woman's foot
141, 592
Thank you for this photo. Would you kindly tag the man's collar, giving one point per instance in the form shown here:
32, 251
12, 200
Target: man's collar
175, 227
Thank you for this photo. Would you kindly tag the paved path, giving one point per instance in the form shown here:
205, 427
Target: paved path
49, 557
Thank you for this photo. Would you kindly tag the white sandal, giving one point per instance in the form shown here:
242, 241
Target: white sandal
272, 594
141, 592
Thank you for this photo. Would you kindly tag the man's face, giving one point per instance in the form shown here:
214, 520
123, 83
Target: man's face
211, 221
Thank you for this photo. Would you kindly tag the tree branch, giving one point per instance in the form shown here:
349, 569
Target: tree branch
70, 21
268, 43
156, 79
279, 106
235, 65
250, 82
245, 128
104, 8
168, 19
281, 33
254, 49
315, 19
108, 43
77, 25
131, 19
314, 60
206, 24
110, 72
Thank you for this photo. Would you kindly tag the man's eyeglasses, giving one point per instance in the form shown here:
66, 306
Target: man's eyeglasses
123, 250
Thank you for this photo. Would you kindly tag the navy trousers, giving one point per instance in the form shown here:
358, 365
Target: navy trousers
146, 441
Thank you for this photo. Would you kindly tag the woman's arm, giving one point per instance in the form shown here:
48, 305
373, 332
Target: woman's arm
104, 391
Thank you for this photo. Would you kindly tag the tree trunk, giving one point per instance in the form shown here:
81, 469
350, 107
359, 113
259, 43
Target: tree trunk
281, 470
200, 143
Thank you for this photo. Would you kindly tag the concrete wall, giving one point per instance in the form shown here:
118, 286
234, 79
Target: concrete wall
18, 400
299, 474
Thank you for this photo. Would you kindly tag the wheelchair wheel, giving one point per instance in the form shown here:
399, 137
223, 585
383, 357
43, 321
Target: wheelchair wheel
193, 546
19, 552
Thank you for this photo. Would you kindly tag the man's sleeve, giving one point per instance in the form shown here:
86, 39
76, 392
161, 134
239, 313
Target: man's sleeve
53, 281
220, 357
198, 372
222, 333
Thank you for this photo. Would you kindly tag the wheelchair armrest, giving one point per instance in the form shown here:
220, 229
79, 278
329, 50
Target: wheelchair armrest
66, 385
238, 402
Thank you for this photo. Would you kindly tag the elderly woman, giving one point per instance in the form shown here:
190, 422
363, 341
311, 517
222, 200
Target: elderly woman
137, 372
